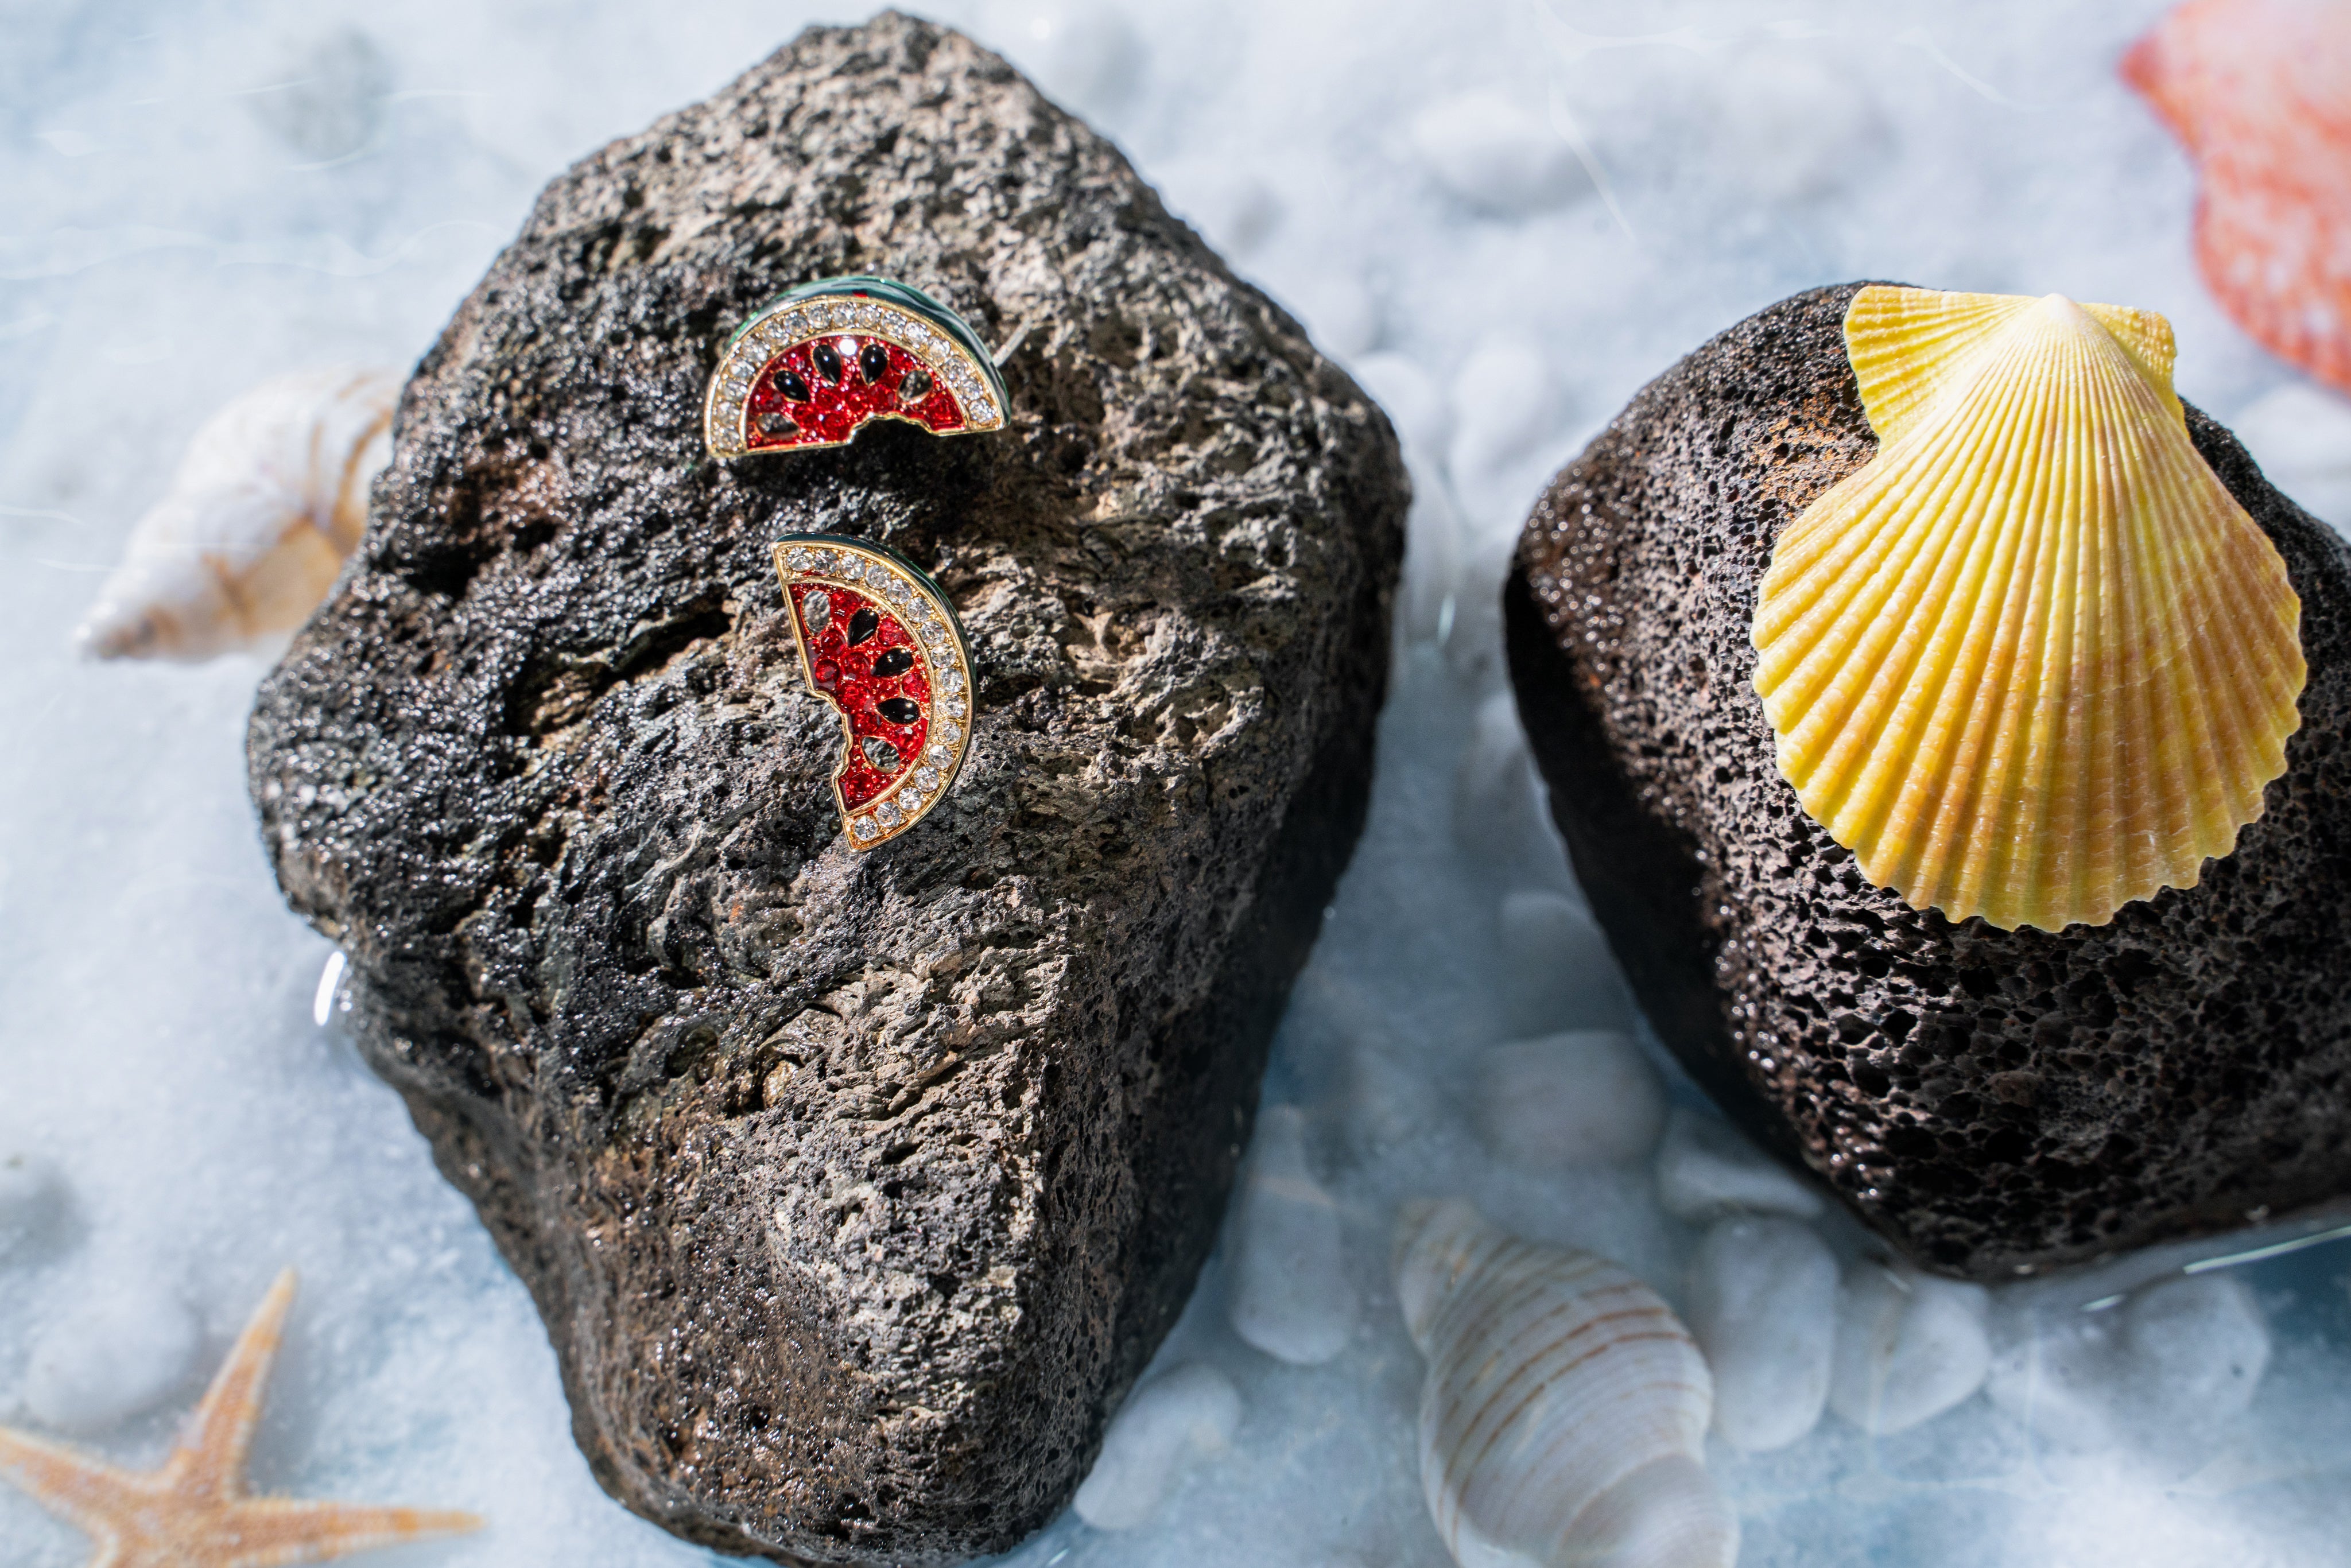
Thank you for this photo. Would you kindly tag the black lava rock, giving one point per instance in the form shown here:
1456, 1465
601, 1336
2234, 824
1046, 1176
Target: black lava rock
855, 1189
1993, 1103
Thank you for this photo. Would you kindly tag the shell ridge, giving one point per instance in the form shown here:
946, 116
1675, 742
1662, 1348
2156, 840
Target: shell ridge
2070, 704
2045, 860
1813, 594
2190, 735
1921, 790
1947, 458
1509, 1357
2153, 789
1862, 617
1945, 846
2235, 734
2212, 726
1907, 344
1609, 1455
2218, 723
1982, 873
1878, 643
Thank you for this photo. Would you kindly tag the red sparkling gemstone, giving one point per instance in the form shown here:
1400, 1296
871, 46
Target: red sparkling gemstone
875, 704
833, 410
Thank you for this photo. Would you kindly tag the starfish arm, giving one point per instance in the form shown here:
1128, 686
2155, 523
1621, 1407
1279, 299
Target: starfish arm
210, 1457
273, 1532
90, 1493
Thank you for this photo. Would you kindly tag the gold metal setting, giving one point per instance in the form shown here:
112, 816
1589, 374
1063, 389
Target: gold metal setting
831, 586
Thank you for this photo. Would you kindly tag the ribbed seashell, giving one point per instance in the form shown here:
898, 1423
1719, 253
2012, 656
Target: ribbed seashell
269, 500
2259, 92
1563, 1420
2033, 661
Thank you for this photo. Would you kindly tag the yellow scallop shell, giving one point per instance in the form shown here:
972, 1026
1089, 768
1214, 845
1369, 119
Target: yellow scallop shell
2033, 661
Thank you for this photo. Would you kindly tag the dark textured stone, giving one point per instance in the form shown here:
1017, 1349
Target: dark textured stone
1994, 1103
854, 1189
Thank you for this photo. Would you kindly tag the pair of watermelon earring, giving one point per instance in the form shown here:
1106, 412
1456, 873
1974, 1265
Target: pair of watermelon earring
878, 639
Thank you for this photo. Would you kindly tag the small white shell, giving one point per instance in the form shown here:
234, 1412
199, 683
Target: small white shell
1164, 1428
1763, 1302
1908, 1347
270, 498
1291, 1296
1564, 1417
1705, 1171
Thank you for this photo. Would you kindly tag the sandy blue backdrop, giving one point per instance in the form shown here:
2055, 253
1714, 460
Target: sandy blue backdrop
1503, 216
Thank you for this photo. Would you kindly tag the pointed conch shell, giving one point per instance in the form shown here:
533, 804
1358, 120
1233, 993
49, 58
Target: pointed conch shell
1563, 1420
2033, 661
269, 500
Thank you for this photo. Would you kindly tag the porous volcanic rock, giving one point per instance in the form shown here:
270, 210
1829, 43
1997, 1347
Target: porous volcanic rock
855, 1189
1994, 1103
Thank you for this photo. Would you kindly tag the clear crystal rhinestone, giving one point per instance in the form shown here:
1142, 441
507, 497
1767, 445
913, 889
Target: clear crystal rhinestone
925, 780
876, 573
902, 590
886, 814
985, 408
863, 827
948, 734
935, 633
820, 560
955, 707
798, 559
942, 755
951, 679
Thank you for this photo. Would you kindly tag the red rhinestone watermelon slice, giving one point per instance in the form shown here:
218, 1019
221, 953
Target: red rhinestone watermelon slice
817, 365
880, 643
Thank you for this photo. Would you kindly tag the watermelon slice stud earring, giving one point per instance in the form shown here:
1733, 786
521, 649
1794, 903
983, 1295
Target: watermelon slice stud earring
813, 367
880, 641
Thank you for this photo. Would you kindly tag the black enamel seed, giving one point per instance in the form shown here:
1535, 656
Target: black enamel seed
915, 387
898, 710
773, 424
874, 360
896, 661
827, 359
862, 626
789, 382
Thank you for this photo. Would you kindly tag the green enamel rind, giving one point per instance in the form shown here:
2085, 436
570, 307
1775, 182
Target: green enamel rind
889, 291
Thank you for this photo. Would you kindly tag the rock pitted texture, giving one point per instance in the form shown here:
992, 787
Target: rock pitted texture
1994, 1103
854, 1189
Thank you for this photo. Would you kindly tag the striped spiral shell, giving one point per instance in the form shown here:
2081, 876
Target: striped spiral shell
1563, 1418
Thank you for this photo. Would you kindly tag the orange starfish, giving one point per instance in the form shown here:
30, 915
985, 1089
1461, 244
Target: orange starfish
194, 1512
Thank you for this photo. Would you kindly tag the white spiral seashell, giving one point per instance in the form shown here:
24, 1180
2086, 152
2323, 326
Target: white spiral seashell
1563, 1420
269, 500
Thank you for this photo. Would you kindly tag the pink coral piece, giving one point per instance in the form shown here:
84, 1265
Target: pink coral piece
2260, 91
